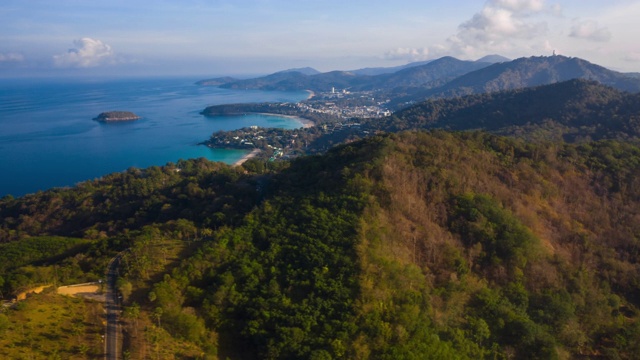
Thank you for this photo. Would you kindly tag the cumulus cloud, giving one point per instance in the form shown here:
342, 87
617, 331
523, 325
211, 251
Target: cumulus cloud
589, 30
86, 53
501, 21
11, 57
500, 27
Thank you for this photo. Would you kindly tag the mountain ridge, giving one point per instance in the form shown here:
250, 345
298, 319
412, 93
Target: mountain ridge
434, 72
442, 69
533, 71
444, 77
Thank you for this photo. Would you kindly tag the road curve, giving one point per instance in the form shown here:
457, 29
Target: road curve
113, 333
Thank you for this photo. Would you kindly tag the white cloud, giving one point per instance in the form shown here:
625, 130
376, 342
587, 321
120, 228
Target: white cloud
501, 21
408, 54
502, 26
520, 6
11, 57
589, 30
87, 53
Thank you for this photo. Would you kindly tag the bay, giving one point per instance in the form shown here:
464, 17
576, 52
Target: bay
48, 138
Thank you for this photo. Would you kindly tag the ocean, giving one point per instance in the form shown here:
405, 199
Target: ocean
48, 137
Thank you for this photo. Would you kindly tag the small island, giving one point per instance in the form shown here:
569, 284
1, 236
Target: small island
115, 116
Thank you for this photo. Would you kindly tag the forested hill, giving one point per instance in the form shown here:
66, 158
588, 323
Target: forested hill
435, 73
575, 109
526, 72
413, 245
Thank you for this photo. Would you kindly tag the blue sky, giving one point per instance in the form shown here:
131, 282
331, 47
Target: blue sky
218, 37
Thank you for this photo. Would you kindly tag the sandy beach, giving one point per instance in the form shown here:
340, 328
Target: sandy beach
306, 123
311, 94
247, 157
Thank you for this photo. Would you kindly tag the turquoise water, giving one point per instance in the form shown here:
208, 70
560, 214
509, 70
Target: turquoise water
48, 138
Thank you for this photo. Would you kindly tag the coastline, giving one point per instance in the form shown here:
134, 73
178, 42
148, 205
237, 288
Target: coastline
146, 144
306, 123
246, 157
311, 94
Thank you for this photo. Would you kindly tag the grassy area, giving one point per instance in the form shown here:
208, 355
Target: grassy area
51, 326
145, 340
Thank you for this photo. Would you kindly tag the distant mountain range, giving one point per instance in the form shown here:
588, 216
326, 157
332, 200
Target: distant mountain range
421, 74
432, 74
373, 71
304, 71
528, 72
444, 77
390, 70
494, 59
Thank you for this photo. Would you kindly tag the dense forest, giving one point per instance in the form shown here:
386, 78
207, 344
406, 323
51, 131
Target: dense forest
570, 111
422, 244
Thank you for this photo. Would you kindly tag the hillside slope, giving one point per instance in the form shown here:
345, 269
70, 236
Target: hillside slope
432, 74
571, 110
430, 245
526, 72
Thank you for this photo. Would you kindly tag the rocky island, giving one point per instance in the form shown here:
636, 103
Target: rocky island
114, 116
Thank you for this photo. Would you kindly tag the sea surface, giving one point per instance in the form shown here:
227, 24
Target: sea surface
48, 137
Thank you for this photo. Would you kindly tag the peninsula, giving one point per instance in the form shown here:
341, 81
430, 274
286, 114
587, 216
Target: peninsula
114, 116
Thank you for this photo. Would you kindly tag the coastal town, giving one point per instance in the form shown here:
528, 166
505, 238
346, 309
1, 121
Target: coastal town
345, 104
333, 116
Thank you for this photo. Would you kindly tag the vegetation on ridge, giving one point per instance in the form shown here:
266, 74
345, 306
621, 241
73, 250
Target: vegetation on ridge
421, 244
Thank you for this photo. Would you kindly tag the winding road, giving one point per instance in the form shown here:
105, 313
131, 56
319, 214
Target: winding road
113, 335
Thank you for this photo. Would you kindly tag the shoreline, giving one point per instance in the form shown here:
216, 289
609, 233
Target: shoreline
311, 94
246, 157
306, 123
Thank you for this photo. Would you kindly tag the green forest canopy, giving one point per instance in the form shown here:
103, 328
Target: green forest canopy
415, 245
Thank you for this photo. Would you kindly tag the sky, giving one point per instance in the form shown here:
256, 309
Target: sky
251, 37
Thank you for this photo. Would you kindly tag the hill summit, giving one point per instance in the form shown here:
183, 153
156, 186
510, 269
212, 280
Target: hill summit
533, 71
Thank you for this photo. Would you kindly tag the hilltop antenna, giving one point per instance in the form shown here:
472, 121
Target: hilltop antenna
554, 53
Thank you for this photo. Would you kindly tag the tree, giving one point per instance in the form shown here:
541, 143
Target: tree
124, 287
157, 315
133, 313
